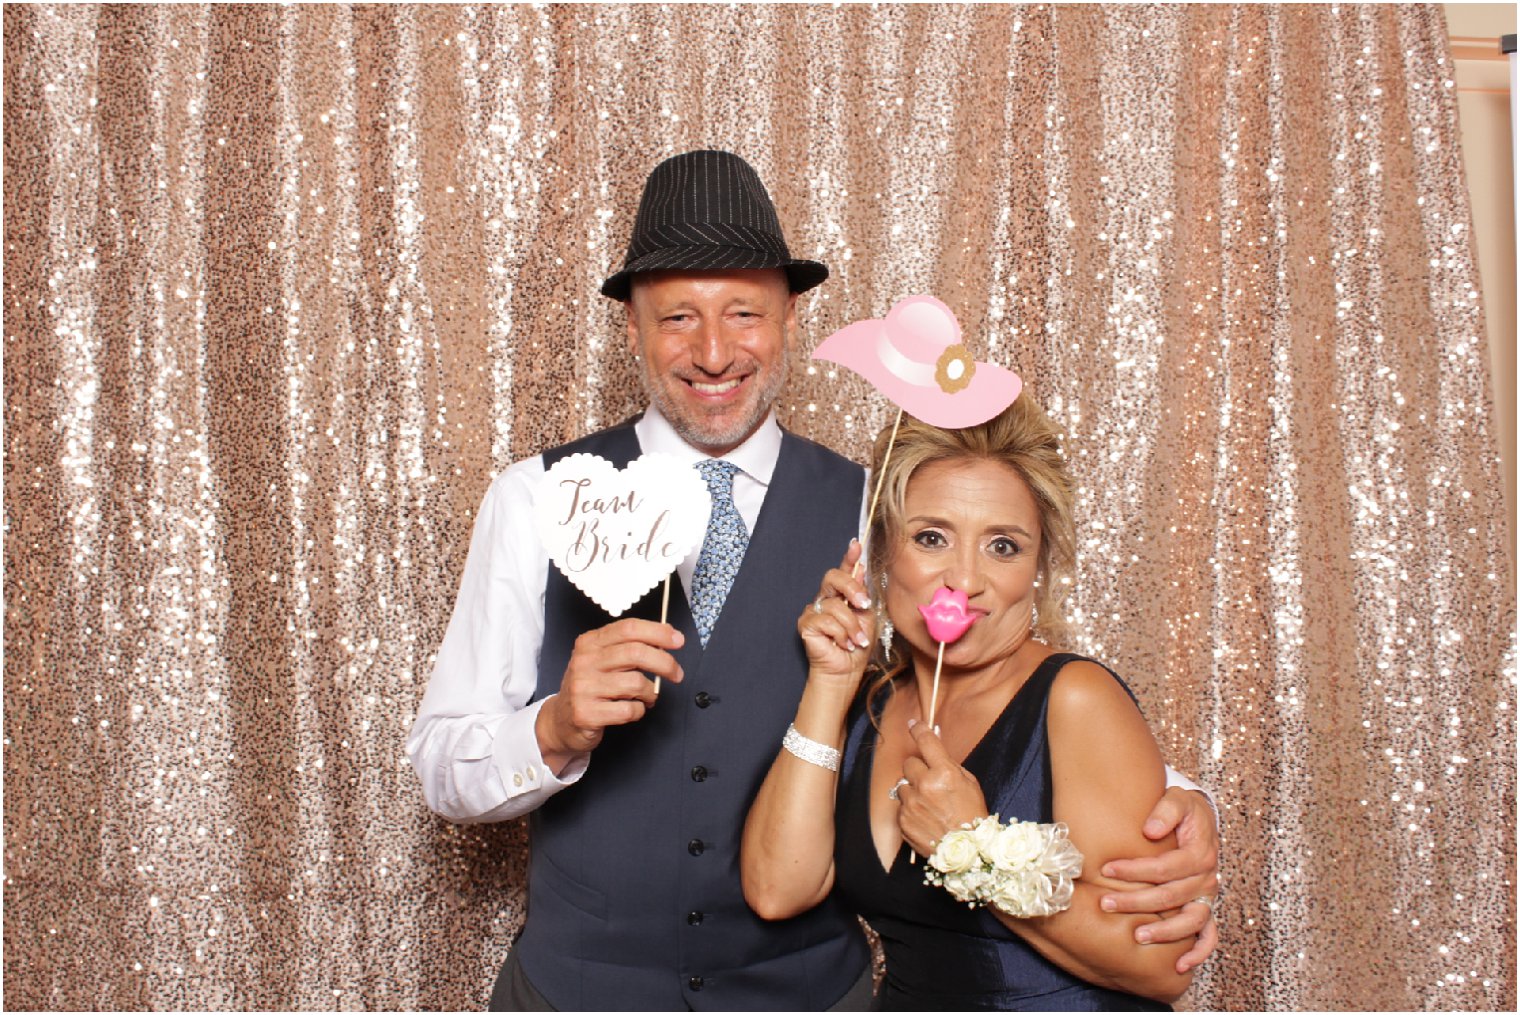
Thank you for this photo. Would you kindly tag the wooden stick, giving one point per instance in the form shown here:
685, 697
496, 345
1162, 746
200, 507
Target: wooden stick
933, 700
664, 609
886, 456
881, 474
934, 693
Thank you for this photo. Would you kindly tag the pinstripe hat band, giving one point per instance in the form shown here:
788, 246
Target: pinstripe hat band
708, 210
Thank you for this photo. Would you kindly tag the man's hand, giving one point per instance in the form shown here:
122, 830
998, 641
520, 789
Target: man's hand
605, 685
1180, 876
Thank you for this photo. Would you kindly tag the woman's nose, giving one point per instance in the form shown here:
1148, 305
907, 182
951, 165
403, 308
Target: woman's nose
964, 573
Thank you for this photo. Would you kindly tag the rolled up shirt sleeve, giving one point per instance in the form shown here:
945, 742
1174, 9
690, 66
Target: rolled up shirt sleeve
473, 744
1177, 779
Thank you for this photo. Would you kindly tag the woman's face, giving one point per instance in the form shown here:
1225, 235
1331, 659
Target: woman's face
973, 525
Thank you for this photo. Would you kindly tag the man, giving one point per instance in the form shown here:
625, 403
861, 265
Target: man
633, 888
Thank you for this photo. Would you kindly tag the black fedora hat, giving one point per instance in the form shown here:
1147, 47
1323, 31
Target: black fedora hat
708, 210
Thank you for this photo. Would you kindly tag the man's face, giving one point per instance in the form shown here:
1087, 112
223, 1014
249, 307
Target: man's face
714, 348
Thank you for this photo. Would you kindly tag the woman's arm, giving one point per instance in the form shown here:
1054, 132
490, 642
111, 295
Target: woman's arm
786, 858
1107, 774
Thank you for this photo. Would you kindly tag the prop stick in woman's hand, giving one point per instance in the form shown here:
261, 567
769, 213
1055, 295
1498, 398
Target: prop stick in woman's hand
876, 494
934, 692
664, 609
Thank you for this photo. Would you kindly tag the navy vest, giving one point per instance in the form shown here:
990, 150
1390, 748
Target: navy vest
634, 899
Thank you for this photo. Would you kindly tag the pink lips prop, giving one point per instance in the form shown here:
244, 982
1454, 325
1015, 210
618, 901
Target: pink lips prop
948, 616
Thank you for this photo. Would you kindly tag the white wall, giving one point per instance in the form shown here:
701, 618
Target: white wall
1483, 98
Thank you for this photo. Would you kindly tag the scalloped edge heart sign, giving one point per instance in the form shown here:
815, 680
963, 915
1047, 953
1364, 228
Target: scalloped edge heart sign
617, 533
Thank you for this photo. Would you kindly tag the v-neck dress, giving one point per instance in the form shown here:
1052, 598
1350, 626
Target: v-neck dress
941, 954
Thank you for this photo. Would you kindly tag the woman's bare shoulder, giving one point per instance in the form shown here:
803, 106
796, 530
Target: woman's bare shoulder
1082, 686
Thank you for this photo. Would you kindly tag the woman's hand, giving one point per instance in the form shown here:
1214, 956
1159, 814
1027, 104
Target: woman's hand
838, 626
939, 794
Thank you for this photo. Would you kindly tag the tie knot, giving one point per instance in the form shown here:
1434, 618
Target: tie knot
720, 478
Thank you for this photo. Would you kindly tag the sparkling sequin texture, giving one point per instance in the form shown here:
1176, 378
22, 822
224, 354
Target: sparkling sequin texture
287, 286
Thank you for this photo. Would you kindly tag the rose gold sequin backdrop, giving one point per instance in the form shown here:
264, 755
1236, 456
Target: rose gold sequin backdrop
286, 287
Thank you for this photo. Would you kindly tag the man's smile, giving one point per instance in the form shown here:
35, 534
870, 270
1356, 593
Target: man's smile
716, 389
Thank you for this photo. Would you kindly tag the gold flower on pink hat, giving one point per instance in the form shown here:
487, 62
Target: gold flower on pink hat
954, 369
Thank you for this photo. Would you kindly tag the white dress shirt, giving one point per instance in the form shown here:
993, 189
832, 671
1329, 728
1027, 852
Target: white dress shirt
473, 745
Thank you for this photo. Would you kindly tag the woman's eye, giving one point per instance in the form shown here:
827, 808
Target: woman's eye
929, 539
1002, 546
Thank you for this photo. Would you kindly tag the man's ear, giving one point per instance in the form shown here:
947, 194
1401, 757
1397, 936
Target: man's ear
633, 327
790, 322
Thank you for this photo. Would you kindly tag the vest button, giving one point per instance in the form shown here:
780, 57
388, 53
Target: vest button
699, 774
695, 983
695, 917
703, 699
695, 847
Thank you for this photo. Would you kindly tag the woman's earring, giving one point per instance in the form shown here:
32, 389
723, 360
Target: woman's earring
886, 623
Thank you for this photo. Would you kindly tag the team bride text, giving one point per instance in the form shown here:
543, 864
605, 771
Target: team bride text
591, 546
615, 533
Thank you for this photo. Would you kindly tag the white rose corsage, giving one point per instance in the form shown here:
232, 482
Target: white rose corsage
1024, 868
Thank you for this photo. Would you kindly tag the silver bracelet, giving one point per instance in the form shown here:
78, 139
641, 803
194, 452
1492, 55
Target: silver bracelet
810, 750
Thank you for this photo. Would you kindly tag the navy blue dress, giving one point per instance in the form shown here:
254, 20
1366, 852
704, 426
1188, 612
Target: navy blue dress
941, 954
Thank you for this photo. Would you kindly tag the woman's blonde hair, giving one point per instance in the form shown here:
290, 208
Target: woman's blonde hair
1021, 437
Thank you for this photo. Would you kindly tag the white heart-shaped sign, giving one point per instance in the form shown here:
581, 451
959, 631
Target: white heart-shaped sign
616, 534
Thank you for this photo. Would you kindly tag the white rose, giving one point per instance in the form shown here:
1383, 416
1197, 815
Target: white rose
956, 853
956, 886
1016, 847
985, 831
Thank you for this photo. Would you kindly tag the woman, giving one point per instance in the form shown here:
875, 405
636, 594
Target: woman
1019, 730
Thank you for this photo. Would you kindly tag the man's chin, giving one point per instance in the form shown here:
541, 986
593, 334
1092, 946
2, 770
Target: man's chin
713, 433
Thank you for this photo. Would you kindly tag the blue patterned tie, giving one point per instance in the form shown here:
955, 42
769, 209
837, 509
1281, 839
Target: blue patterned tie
722, 549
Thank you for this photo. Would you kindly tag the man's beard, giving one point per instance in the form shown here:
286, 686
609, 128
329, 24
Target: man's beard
702, 431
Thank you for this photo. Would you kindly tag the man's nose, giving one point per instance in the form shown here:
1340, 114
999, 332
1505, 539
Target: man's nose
712, 349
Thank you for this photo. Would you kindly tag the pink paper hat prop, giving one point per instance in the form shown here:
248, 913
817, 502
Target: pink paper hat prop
916, 358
